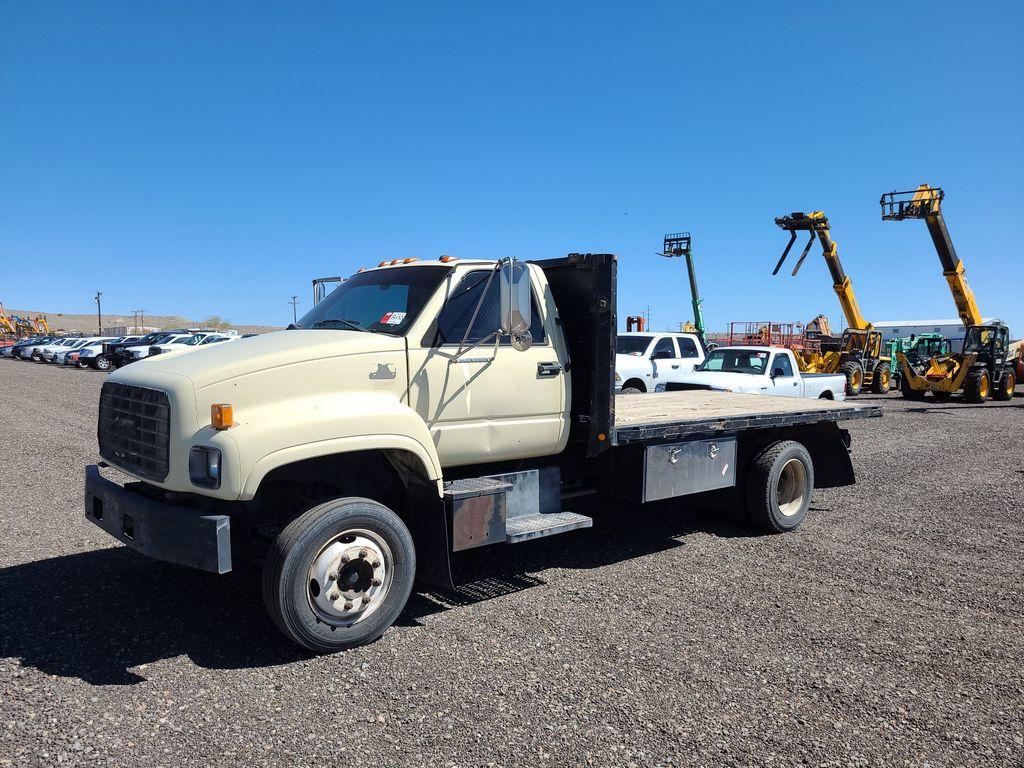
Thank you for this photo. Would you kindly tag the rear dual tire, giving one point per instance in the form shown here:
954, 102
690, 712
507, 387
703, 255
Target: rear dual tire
339, 575
779, 486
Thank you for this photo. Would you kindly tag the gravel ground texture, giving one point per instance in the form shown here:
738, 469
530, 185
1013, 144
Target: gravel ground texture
887, 631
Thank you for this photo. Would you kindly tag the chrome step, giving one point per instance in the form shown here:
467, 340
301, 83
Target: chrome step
527, 527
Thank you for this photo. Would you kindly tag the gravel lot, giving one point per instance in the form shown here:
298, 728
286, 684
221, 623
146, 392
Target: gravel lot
888, 631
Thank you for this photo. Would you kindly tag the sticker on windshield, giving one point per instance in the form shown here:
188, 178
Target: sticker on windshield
762, 355
392, 318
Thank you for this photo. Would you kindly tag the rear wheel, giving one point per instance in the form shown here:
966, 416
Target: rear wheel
854, 377
102, 363
978, 387
881, 380
339, 575
1005, 389
779, 486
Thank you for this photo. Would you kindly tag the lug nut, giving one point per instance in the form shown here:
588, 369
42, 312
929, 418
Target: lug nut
334, 595
345, 558
376, 582
363, 552
348, 606
332, 576
366, 601
375, 564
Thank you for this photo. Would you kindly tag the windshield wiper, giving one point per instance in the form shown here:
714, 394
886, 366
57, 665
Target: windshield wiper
328, 322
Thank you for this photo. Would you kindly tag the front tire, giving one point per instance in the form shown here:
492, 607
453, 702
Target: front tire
339, 575
978, 387
779, 486
102, 363
854, 378
881, 380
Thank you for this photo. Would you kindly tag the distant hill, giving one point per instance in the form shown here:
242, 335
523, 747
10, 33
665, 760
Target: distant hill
77, 323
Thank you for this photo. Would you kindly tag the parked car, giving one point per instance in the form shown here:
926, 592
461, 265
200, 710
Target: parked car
18, 346
45, 353
59, 357
117, 353
190, 343
190, 340
88, 353
646, 362
761, 371
140, 351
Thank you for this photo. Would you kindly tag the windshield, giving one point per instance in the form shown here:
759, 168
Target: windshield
750, 361
632, 345
979, 338
381, 300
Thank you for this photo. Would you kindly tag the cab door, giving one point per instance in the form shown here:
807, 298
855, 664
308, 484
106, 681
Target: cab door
784, 380
664, 362
492, 402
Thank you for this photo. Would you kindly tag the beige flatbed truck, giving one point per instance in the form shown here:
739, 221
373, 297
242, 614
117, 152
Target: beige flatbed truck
420, 409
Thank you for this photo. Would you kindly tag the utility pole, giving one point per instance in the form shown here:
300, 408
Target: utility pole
294, 302
139, 319
99, 314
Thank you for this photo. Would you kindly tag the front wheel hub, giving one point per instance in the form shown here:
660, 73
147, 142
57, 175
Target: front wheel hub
350, 577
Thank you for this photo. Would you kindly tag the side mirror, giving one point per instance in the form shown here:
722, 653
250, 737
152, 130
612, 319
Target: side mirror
516, 306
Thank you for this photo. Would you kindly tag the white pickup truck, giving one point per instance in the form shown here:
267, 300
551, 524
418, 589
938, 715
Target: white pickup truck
760, 371
647, 362
418, 410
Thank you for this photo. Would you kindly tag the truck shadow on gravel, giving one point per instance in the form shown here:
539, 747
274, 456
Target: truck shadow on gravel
101, 615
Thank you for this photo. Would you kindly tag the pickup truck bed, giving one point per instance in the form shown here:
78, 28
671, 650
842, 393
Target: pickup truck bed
662, 415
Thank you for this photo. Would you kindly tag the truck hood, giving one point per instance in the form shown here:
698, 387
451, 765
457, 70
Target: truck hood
629, 362
722, 380
220, 362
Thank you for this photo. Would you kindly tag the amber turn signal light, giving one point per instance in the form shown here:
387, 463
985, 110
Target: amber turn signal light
221, 416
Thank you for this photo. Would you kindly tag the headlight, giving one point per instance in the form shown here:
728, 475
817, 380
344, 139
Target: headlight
204, 466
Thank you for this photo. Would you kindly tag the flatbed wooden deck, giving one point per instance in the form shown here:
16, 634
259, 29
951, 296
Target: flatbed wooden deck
663, 415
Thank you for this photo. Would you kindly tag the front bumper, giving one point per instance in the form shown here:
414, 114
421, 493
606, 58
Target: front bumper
156, 529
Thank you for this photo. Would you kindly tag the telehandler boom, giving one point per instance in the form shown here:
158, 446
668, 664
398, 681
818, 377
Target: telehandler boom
859, 355
680, 244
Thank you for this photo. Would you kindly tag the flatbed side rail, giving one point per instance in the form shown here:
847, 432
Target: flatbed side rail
644, 433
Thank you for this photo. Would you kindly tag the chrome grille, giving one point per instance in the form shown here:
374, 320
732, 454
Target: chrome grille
134, 429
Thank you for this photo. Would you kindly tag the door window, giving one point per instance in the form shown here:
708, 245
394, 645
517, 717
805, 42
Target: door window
663, 350
458, 311
782, 363
686, 347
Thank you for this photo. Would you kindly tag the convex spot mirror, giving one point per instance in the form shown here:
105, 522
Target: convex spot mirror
516, 306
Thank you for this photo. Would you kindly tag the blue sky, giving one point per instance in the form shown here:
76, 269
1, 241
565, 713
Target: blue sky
202, 158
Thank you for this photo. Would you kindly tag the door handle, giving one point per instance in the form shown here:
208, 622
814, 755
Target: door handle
547, 370
675, 367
